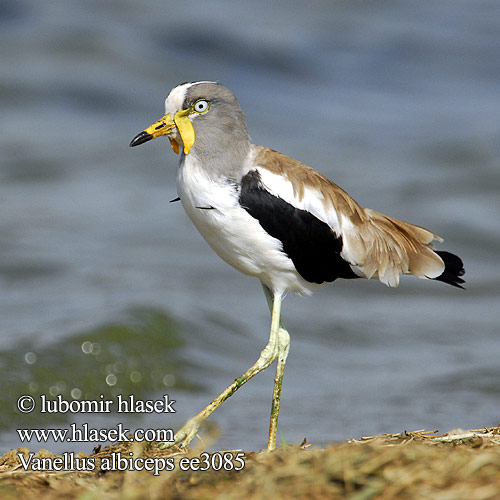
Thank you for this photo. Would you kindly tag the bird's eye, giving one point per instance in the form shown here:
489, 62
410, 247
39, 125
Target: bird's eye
201, 106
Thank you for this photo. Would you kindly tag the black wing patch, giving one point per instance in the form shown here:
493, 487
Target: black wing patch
310, 243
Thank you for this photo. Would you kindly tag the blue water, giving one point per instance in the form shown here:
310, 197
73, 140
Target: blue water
397, 102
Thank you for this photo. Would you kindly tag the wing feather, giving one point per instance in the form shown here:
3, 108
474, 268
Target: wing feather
374, 244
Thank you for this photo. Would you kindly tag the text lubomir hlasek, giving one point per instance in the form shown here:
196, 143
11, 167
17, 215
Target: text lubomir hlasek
128, 404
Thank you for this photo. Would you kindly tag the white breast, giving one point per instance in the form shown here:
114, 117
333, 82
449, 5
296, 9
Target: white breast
235, 235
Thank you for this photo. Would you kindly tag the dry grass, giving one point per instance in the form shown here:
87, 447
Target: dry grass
411, 465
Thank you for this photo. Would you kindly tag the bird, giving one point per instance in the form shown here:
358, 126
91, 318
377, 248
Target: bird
274, 218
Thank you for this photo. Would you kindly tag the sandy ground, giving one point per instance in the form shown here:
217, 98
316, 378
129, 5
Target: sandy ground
424, 465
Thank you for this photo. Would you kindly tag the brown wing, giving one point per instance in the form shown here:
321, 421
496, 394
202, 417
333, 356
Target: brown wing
374, 244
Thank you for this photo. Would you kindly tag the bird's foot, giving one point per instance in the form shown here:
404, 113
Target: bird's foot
184, 435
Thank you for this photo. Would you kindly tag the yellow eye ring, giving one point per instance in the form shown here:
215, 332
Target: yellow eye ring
201, 106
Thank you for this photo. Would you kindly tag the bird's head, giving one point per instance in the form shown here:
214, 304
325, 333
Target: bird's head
202, 115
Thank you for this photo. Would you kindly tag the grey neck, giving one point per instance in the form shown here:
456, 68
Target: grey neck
225, 160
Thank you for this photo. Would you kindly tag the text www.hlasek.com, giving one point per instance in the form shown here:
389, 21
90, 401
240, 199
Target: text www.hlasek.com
85, 434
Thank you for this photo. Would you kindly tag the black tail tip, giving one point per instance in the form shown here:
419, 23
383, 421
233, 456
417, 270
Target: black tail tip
453, 269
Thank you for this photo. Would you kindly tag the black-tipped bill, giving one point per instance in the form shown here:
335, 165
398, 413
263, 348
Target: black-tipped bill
140, 139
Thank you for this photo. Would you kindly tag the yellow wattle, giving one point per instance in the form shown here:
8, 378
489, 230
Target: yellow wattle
175, 145
185, 128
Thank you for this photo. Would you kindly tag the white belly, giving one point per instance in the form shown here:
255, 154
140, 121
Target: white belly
233, 233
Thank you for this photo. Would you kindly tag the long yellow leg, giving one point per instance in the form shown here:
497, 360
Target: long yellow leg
272, 350
283, 349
